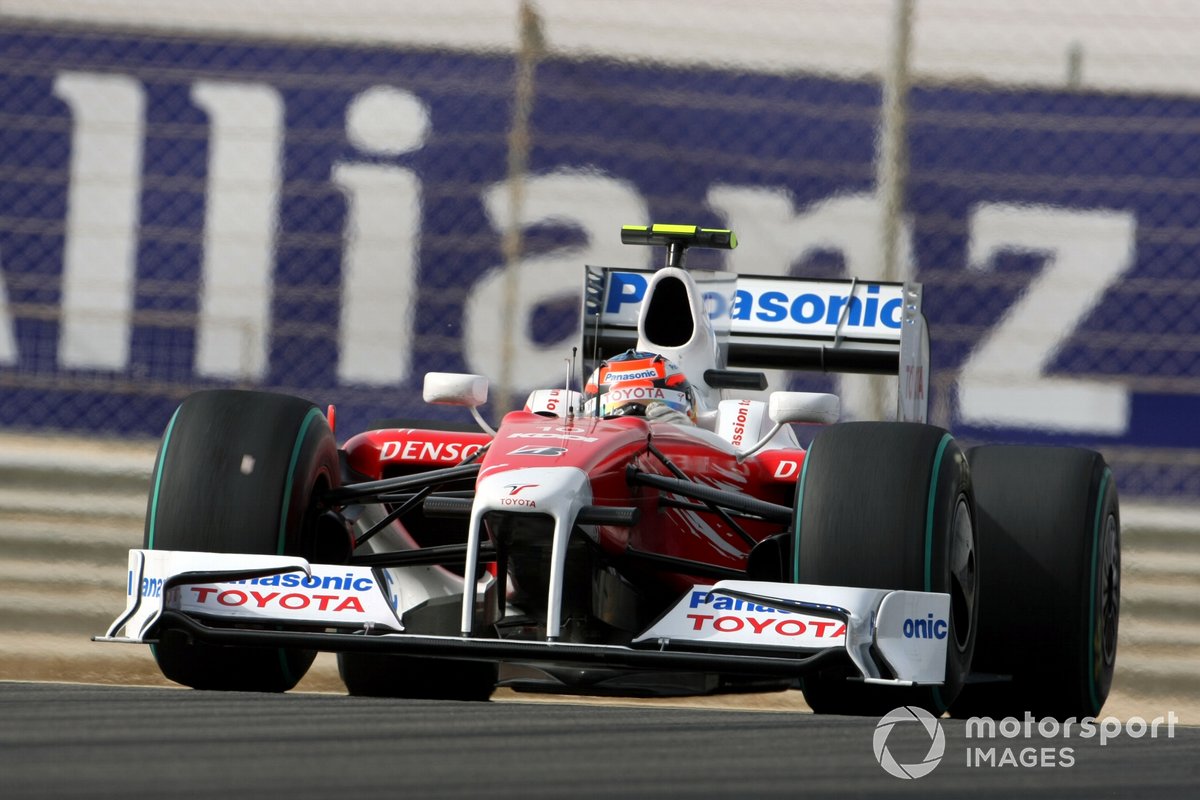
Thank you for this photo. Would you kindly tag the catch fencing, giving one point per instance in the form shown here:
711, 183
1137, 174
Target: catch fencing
332, 199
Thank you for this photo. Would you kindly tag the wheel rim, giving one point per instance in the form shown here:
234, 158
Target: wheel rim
963, 573
1110, 591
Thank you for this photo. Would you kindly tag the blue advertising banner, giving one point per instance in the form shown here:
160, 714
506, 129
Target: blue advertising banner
179, 212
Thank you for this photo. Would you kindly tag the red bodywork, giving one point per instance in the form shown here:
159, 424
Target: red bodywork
605, 448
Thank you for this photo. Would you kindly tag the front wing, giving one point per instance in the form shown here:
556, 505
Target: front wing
733, 627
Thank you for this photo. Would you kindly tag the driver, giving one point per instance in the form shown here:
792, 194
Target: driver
640, 384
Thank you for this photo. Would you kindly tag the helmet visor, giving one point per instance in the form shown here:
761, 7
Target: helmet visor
616, 401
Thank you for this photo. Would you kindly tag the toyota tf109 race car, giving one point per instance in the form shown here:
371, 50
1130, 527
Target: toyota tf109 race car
642, 533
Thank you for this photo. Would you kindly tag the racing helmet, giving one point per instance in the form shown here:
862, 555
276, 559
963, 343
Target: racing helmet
638, 383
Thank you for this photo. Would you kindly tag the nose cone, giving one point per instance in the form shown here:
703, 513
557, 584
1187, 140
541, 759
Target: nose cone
557, 491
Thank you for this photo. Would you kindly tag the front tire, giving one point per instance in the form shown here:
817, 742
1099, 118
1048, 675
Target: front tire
1050, 525
237, 472
889, 505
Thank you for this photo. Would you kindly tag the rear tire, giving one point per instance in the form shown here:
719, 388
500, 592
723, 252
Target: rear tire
1050, 528
237, 472
889, 505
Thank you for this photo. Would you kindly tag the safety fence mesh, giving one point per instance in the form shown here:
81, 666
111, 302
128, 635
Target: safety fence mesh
328, 214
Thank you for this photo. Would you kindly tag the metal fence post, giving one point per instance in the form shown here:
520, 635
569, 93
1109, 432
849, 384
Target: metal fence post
892, 167
520, 142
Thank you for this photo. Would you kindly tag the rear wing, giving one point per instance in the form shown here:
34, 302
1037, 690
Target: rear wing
768, 322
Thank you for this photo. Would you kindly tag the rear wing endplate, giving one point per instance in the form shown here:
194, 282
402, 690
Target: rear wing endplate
842, 326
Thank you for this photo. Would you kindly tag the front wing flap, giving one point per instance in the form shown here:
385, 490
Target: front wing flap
734, 626
250, 589
890, 636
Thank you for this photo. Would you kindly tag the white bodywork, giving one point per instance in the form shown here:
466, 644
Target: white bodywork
276, 589
558, 492
321, 594
701, 351
825, 321
762, 614
909, 630
554, 402
454, 389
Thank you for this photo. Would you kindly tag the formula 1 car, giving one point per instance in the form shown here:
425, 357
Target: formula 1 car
643, 533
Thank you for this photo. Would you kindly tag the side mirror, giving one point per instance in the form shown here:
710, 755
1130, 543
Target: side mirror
785, 407
816, 407
455, 389
458, 389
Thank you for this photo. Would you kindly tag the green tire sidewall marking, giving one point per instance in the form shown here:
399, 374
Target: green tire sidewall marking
1089, 650
799, 510
284, 667
796, 536
288, 480
929, 509
929, 513
162, 460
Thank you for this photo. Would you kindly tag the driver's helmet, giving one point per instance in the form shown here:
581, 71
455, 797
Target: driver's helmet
639, 384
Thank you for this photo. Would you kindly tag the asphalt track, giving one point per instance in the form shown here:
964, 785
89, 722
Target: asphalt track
70, 740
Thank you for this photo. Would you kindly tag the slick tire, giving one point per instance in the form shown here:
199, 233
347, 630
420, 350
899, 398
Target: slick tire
889, 505
1050, 533
237, 472
374, 675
